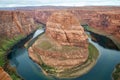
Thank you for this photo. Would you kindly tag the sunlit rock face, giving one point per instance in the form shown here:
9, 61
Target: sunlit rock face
14, 23
65, 29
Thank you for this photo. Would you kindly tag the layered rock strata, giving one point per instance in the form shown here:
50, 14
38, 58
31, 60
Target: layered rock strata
103, 19
65, 29
14, 23
64, 44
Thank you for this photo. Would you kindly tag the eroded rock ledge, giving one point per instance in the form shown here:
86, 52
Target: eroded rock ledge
63, 47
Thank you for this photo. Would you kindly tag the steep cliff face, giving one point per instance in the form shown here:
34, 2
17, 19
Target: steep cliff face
14, 23
104, 21
42, 15
65, 29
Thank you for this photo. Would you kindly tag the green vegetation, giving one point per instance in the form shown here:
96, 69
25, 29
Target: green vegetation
93, 52
85, 67
5, 45
88, 28
13, 75
39, 26
116, 73
46, 44
48, 69
69, 48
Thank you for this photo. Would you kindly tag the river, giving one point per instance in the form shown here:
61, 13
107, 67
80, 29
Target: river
108, 58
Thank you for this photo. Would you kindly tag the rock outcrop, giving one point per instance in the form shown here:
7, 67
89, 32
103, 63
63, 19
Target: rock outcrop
63, 46
65, 29
4, 75
13, 26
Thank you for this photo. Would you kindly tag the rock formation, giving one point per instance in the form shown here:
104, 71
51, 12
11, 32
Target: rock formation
62, 29
4, 75
104, 19
65, 29
13, 24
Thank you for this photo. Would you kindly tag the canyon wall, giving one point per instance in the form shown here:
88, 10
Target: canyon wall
65, 29
14, 23
104, 19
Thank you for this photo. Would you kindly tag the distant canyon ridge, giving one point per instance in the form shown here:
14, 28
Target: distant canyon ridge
23, 20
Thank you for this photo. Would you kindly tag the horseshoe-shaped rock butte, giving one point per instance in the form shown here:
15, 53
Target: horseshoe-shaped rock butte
63, 46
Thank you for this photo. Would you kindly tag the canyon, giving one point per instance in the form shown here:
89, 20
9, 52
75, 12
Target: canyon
104, 19
65, 29
23, 21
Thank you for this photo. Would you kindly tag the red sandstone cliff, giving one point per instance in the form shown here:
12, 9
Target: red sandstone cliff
14, 23
105, 19
65, 29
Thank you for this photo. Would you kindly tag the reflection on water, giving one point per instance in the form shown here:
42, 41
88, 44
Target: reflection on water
103, 41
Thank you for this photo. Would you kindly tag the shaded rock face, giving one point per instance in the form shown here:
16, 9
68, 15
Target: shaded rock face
14, 23
65, 29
